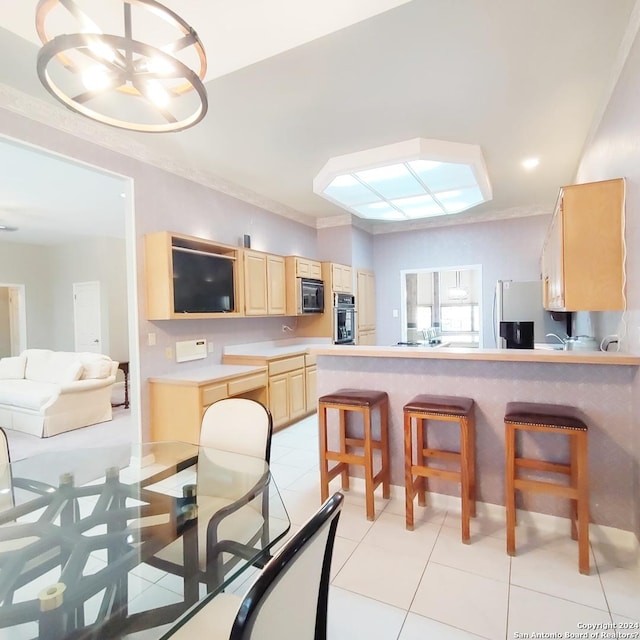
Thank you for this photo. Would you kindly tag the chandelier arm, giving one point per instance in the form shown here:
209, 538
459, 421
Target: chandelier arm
72, 7
182, 43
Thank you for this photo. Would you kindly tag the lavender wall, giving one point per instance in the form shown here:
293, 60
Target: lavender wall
614, 152
506, 249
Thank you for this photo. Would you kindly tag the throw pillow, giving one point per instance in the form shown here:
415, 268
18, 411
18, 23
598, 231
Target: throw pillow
12, 368
100, 368
71, 373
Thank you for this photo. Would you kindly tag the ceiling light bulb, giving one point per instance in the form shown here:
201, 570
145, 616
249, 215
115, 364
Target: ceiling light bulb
96, 78
159, 66
530, 163
101, 50
157, 94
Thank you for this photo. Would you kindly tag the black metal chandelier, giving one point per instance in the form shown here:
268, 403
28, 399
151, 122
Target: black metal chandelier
145, 74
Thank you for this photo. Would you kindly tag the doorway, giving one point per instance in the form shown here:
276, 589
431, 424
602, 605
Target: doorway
77, 241
13, 323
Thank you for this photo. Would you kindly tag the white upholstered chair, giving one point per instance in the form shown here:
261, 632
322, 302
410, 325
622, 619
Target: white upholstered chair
287, 601
227, 522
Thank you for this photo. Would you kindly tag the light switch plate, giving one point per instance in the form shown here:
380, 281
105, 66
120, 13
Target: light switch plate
187, 350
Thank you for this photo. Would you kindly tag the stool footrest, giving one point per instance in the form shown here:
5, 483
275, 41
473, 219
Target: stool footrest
551, 488
541, 465
346, 458
433, 472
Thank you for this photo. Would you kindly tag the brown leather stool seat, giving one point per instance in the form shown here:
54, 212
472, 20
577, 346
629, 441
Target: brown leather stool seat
363, 401
549, 418
448, 409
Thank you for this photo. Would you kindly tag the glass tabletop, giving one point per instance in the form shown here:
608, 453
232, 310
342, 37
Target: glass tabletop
112, 541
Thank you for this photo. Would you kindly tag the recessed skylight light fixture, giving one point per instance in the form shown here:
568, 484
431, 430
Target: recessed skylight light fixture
418, 178
530, 163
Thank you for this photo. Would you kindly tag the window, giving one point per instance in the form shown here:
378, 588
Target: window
447, 300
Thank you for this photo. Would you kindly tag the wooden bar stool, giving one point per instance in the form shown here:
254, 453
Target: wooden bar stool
549, 418
365, 402
447, 409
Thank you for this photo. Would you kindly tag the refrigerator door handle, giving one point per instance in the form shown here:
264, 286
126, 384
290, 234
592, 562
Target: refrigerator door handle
497, 313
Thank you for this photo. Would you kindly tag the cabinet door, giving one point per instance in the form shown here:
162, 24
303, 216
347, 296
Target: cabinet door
553, 264
311, 395
341, 277
315, 270
279, 399
297, 401
255, 284
303, 268
276, 298
365, 300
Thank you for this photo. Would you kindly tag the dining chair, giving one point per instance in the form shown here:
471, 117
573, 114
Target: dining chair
230, 523
289, 598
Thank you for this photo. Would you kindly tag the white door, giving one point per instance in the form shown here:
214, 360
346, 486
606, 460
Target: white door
86, 317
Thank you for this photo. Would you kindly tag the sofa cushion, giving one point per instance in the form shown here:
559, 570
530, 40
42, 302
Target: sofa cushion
26, 394
98, 366
44, 365
12, 368
72, 372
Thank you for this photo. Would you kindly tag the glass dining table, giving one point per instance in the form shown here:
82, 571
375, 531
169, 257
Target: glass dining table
81, 529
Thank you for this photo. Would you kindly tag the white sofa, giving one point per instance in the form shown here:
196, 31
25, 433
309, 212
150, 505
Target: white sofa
45, 392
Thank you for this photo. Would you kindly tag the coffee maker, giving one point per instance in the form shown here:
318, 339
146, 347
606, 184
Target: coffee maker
518, 335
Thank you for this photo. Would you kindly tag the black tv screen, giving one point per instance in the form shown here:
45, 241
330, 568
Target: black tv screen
202, 282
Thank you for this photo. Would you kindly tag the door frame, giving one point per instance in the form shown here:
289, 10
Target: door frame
128, 195
17, 308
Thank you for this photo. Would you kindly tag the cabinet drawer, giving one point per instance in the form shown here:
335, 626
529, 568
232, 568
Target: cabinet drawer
248, 383
213, 393
288, 364
309, 360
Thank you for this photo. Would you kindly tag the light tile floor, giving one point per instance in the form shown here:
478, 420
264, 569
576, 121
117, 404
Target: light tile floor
392, 584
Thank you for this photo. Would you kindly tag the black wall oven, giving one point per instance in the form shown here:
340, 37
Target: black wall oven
310, 296
344, 318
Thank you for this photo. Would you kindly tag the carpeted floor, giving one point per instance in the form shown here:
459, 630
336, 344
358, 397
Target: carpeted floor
120, 430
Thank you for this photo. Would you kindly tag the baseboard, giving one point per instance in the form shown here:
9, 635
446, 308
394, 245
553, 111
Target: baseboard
598, 533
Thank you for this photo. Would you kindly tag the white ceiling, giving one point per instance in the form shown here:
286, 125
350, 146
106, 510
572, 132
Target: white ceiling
294, 83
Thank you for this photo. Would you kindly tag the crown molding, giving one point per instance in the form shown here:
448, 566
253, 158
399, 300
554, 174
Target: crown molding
61, 119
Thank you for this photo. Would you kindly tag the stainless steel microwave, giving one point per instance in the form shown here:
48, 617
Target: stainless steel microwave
310, 296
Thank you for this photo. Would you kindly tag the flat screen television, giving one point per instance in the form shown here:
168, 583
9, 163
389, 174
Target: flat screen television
202, 282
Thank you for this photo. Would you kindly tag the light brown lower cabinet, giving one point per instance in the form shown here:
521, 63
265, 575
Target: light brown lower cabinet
177, 406
292, 384
287, 390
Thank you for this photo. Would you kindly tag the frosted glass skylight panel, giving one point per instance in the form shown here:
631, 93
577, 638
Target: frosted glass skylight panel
468, 198
447, 175
347, 190
418, 178
394, 181
379, 211
418, 206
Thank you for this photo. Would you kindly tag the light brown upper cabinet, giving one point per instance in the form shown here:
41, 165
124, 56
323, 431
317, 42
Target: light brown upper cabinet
188, 277
366, 307
582, 258
341, 278
264, 284
295, 269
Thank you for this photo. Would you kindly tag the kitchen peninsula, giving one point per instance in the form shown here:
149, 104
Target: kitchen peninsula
598, 383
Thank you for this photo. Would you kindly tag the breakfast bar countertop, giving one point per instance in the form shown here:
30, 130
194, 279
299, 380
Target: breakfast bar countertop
501, 355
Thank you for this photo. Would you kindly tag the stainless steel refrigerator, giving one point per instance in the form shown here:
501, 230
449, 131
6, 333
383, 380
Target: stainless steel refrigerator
522, 302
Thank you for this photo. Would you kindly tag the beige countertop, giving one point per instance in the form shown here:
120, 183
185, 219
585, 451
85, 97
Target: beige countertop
504, 355
208, 375
275, 349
